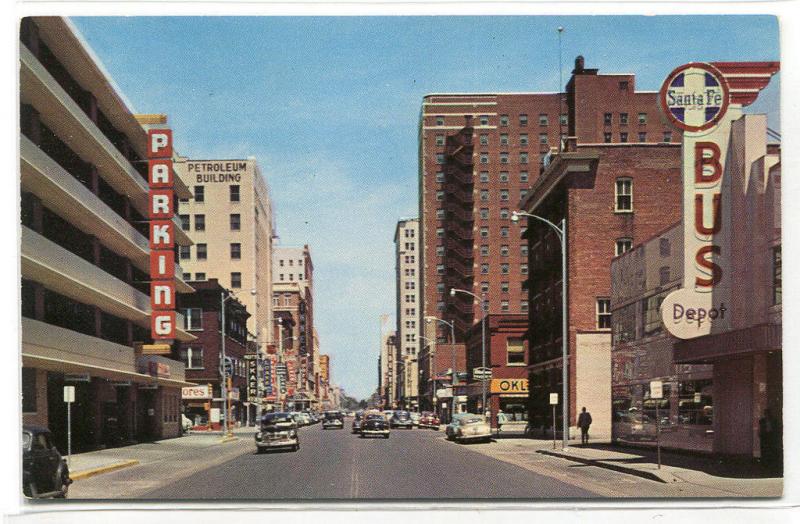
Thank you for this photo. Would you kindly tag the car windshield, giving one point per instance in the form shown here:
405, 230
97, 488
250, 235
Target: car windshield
402, 414
276, 418
374, 417
333, 416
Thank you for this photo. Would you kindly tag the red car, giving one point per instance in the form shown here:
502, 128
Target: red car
429, 420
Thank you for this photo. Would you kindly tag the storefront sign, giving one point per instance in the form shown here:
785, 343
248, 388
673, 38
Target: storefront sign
252, 377
702, 100
196, 392
162, 228
509, 385
656, 389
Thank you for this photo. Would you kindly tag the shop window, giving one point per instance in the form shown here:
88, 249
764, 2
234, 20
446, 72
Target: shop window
695, 403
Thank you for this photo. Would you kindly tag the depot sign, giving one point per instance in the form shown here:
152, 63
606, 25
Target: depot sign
161, 211
702, 100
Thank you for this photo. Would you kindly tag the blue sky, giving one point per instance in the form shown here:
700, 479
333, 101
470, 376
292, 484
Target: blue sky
330, 108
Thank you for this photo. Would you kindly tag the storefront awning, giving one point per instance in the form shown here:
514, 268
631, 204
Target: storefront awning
65, 366
740, 342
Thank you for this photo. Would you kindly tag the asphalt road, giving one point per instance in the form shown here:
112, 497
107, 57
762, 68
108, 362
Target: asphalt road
337, 465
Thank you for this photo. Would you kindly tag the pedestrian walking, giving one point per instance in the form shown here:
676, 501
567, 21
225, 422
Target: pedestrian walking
501, 419
584, 421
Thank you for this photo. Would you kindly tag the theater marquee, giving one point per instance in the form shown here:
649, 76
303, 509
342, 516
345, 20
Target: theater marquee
702, 100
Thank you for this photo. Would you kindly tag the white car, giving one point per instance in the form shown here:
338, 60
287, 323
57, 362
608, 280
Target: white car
472, 427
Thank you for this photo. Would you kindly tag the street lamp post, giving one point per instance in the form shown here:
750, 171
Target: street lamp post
482, 299
223, 363
561, 232
453, 352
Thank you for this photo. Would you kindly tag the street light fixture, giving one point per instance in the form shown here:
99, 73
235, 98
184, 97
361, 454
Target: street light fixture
482, 299
561, 232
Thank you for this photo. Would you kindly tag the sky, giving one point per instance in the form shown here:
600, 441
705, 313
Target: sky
330, 106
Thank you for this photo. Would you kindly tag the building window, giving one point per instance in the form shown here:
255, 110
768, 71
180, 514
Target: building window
192, 358
504, 214
504, 305
623, 195
523, 250
667, 136
439, 177
523, 139
439, 271
236, 280
642, 118
440, 158
504, 158
484, 232
202, 251
504, 120
523, 306
484, 213
623, 85
623, 137
439, 234
504, 176
440, 306
663, 275
192, 319
607, 119
543, 138
236, 251
607, 138
484, 176
234, 192
523, 158
440, 214
523, 193
504, 232
439, 120
185, 222
440, 195
199, 193
504, 251
484, 120
484, 251
543, 120
504, 269
504, 287
777, 276
623, 245
484, 158
187, 277
200, 276
523, 268
523, 176
439, 251
603, 313
199, 222
484, 140
563, 119
623, 118
504, 195
664, 247
484, 269
523, 120
642, 137
504, 139
484, 287
484, 195
439, 140
185, 252
515, 349
439, 289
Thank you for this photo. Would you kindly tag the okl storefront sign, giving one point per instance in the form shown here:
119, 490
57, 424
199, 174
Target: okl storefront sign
161, 198
702, 100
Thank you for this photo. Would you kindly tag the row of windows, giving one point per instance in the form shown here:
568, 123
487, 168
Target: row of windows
290, 262
484, 232
505, 306
483, 177
608, 118
485, 251
623, 137
410, 246
410, 259
289, 276
201, 251
287, 300
234, 194
485, 194
544, 120
504, 287
409, 272
235, 222
410, 285
409, 233
410, 311
483, 139
504, 157
505, 269
197, 276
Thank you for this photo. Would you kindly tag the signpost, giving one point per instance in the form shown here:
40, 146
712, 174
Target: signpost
482, 374
69, 398
657, 393
554, 403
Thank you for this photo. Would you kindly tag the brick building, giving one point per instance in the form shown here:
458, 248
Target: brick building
480, 155
435, 363
85, 256
201, 311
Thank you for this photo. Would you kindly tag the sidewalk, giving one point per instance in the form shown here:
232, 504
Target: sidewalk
737, 478
85, 465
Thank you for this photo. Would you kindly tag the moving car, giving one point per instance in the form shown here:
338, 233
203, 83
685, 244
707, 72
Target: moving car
472, 427
450, 429
374, 424
429, 420
401, 419
332, 419
356, 427
278, 430
45, 473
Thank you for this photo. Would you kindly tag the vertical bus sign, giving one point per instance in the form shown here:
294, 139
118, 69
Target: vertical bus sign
161, 211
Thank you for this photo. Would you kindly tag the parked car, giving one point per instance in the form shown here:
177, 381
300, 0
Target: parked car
332, 419
429, 420
356, 427
450, 429
472, 427
374, 424
415, 418
401, 419
45, 473
278, 430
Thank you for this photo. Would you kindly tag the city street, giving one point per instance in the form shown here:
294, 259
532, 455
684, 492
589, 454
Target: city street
333, 465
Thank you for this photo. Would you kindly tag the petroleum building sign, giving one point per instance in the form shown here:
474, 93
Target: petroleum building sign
161, 211
702, 100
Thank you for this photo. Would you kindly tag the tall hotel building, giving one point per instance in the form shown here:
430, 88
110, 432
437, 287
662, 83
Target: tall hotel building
229, 218
408, 328
85, 255
480, 155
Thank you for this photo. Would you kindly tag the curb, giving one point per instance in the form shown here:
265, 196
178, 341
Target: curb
664, 477
86, 473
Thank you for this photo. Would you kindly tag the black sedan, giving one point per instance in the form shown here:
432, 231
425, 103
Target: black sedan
45, 473
374, 424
